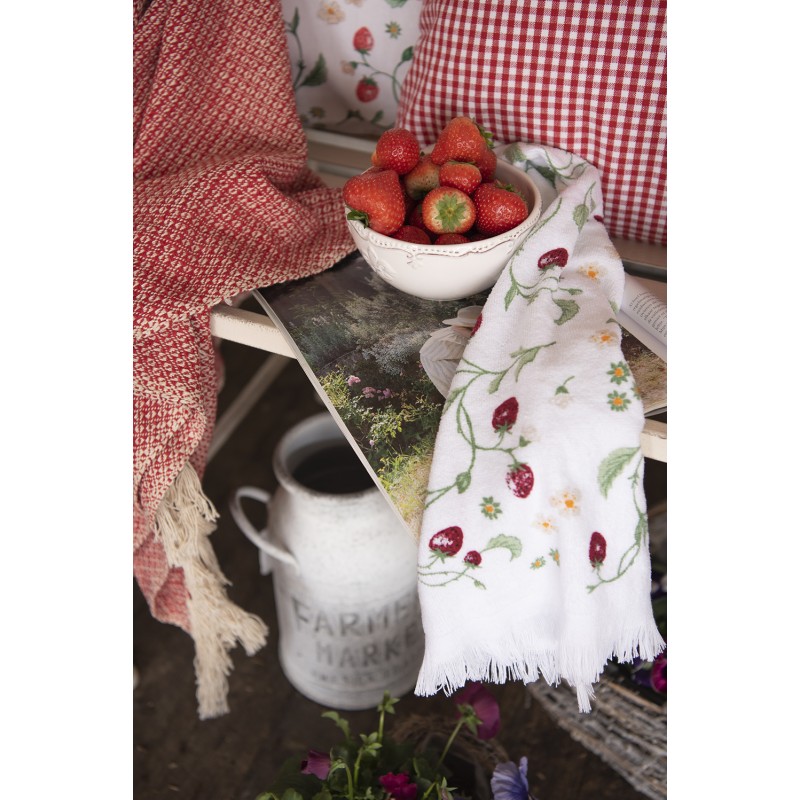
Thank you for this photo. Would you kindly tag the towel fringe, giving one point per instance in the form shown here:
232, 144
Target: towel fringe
183, 522
527, 662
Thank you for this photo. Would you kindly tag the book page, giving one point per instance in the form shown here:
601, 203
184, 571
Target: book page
644, 314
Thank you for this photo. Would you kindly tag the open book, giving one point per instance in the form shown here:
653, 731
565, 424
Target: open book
644, 313
643, 317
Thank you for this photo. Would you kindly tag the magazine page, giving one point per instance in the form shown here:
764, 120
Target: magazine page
644, 313
383, 360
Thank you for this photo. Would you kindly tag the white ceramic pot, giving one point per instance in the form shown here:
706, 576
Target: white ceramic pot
344, 569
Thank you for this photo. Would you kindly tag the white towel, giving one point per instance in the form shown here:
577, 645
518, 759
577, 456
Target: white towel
533, 558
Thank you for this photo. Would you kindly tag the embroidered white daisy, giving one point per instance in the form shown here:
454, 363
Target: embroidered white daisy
592, 271
545, 524
566, 502
605, 338
561, 400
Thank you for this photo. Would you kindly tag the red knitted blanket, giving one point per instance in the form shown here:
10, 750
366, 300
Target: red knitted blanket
223, 203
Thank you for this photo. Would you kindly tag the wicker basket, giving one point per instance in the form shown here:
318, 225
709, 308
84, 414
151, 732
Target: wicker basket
625, 730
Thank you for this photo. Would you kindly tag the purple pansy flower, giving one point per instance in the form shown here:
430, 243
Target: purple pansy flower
316, 763
485, 705
399, 786
510, 782
658, 675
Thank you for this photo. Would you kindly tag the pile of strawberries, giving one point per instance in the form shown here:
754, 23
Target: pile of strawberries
450, 196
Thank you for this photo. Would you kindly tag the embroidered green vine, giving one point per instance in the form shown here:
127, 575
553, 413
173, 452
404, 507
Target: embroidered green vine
464, 424
430, 576
546, 282
610, 469
573, 169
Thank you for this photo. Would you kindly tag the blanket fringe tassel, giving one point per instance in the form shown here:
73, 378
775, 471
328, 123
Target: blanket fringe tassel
183, 523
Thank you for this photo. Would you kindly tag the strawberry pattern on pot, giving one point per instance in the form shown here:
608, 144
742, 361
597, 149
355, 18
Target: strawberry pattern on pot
349, 59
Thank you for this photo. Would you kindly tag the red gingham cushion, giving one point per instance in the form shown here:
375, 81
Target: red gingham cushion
587, 77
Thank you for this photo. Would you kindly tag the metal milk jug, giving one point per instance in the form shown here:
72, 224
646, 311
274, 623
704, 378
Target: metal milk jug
344, 572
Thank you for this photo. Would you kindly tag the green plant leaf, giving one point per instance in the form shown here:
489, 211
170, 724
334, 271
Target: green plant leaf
495, 384
292, 26
612, 465
408, 54
396, 3
569, 308
318, 74
510, 543
340, 722
291, 794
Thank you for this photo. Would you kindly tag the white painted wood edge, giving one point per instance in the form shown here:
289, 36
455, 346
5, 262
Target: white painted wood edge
654, 440
250, 328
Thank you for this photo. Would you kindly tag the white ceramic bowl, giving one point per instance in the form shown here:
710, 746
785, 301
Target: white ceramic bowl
448, 272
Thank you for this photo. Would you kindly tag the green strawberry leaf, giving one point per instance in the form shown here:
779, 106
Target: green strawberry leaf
547, 173
463, 481
569, 308
359, 216
495, 384
641, 529
292, 26
408, 54
510, 294
580, 215
612, 465
318, 74
510, 543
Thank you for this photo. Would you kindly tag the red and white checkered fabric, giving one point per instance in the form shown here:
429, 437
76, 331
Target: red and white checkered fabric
223, 202
587, 77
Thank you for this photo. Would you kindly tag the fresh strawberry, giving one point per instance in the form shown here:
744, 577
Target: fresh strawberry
487, 164
448, 210
366, 90
451, 238
497, 209
422, 178
411, 233
461, 175
397, 149
414, 217
460, 140
520, 480
376, 199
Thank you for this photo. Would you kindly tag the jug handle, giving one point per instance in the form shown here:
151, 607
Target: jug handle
259, 538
